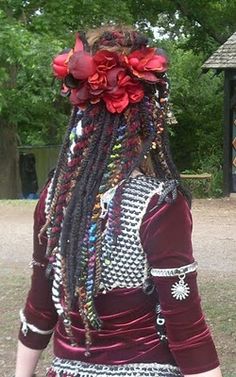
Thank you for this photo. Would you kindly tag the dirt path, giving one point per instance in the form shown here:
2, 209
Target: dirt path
214, 240
214, 234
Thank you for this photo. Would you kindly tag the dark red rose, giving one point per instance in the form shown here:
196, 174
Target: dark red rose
135, 92
60, 64
101, 78
80, 96
145, 63
116, 104
98, 81
112, 77
105, 60
121, 90
123, 78
81, 65
133, 88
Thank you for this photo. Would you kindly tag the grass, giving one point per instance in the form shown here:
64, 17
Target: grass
218, 299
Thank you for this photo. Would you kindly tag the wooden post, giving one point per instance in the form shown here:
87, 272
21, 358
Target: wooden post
233, 127
227, 164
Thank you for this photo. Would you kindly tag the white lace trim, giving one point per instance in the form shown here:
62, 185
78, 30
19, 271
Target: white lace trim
57, 281
47, 200
28, 326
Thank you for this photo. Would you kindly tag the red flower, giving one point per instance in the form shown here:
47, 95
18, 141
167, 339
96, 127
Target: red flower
123, 78
135, 92
106, 75
121, 90
98, 81
145, 62
81, 65
134, 88
82, 95
105, 60
116, 102
59, 64
115, 97
112, 77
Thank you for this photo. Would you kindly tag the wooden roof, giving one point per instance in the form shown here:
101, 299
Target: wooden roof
224, 57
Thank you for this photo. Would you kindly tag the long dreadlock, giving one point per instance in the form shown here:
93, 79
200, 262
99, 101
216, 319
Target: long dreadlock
100, 150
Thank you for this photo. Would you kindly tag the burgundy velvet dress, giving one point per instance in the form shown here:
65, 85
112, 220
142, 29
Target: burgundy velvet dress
128, 343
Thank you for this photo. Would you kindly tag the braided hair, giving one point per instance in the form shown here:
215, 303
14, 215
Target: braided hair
100, 150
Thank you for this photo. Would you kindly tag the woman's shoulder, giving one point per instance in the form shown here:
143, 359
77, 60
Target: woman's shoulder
165, 231
170, 203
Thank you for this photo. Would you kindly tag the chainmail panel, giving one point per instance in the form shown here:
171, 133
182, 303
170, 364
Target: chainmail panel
64, 368
123, 260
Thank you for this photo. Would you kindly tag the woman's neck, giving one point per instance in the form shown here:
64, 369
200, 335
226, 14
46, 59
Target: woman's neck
135, 173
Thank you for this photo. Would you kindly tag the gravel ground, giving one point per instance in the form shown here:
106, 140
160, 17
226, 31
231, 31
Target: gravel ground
214, 235
214, 239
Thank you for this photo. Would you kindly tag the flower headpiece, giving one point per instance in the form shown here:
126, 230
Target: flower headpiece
115, 78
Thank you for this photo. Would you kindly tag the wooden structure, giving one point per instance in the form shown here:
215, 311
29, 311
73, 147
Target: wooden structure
196, 176
45, 160
224, 59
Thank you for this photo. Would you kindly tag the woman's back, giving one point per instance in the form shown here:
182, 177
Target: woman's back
114, 276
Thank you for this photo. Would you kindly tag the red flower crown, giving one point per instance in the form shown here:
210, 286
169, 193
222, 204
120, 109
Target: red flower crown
114, 78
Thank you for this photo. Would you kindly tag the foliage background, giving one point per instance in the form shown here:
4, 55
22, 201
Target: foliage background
32, 111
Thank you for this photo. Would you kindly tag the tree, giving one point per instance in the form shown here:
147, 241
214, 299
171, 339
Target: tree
197, 103
204, 24
25, 100
31, 32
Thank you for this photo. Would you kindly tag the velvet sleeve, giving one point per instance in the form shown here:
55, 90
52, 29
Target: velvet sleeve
39, 310
166, 238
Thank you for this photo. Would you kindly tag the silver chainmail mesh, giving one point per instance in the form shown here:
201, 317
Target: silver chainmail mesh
123, 261
64, 368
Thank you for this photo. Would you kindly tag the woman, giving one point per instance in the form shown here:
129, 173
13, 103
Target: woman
114, 277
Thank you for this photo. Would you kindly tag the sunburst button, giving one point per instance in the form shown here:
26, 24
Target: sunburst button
180, 290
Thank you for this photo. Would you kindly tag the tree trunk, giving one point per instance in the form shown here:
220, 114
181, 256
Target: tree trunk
9, 163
